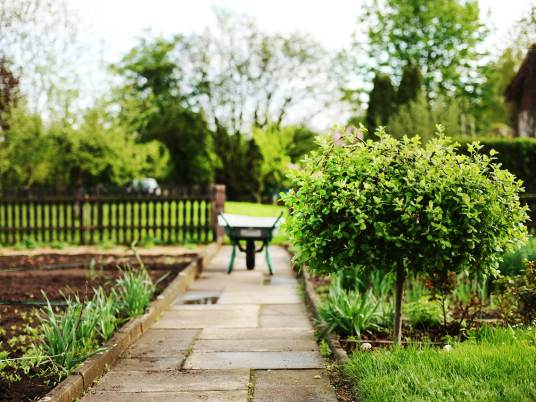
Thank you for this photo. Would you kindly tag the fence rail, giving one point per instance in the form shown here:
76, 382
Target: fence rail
174, 216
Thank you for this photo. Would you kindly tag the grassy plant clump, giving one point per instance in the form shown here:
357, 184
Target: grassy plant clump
134, 290
68, 337
496, 364
348, 312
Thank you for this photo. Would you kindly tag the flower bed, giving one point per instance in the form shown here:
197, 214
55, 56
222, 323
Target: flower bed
111, 295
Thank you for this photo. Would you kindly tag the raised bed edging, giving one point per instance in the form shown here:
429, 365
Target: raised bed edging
313, 302
84, 376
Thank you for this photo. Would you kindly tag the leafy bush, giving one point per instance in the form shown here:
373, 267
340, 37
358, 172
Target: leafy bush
517, 296
348, 312
134, 290
517, 155
513, 262
423, 313
396, 205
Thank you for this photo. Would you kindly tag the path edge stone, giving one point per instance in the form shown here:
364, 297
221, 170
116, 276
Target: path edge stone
83, 377
313, 302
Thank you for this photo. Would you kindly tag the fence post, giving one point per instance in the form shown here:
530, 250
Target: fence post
218, 205
82, 201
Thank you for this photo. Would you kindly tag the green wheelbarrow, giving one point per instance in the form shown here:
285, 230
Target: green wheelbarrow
249, 229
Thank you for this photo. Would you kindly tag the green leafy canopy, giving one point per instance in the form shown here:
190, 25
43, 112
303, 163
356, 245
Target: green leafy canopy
376, 204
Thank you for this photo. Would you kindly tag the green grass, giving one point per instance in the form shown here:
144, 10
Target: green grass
499, 365
253, 209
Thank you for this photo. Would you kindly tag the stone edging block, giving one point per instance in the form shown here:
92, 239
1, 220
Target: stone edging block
313, 302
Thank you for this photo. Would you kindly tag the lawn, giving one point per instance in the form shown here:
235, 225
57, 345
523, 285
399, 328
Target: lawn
498, 365
253, 209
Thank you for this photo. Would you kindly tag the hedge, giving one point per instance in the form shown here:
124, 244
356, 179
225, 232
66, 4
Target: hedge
518, 155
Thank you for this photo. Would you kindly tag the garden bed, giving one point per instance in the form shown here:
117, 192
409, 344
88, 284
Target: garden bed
22, 278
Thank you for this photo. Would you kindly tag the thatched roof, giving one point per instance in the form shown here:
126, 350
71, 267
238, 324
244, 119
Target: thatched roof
522, 89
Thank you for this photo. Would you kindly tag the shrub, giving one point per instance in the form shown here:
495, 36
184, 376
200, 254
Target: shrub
517, 155
517, 296
396, 205
423, 313
348, 312
513, 262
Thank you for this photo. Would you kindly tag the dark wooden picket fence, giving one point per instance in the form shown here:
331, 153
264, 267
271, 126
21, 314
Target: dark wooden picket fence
176, 215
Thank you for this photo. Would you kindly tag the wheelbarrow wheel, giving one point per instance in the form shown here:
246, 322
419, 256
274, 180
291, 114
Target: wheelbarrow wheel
250, 254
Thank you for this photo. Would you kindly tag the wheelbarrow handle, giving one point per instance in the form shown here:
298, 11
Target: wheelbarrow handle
277, 220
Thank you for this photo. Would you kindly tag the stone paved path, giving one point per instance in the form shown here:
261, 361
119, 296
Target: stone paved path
255, 342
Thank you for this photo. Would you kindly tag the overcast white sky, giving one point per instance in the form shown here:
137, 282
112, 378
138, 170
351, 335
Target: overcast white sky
120, 22
113, 26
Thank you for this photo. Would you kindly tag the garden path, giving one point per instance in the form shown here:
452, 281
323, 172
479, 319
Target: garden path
255, 343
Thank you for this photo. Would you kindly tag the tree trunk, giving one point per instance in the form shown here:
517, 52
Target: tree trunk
400, 279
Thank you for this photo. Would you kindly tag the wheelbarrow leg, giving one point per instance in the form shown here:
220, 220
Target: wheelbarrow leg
268, 261
231, 262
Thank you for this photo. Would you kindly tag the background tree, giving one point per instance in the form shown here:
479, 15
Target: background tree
438, 37
152, 83
381, 104
9, 93
410, 85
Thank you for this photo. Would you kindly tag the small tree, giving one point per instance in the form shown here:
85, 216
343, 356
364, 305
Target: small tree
399, 206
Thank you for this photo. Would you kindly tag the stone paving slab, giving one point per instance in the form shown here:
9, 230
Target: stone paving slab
203, 396
283, 309
253, 360
292, 386
162, 342
255, 333
256, 345
285, 321
186, 380
150, 363
268, 298
231, 318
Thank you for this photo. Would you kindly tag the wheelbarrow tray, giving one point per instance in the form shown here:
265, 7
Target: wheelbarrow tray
249, 229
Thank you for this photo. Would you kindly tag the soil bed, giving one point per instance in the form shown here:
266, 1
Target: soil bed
23, 277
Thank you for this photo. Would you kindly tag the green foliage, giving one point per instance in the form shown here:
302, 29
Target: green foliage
514, 262
423, 313
517, 296
410, 85
518, 155
348, 312
498, 365
68, 337
421, 116
279, 147
134, 290
381, 104
99, 150
378, 204
398, 205
439, 37
150, 72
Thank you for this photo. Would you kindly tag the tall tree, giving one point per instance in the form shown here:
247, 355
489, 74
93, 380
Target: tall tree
152, 85
39, 38
381, 104
440, 37
9, 93
243, 77
410, 85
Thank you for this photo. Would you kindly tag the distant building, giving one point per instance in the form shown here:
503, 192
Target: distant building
521, 93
